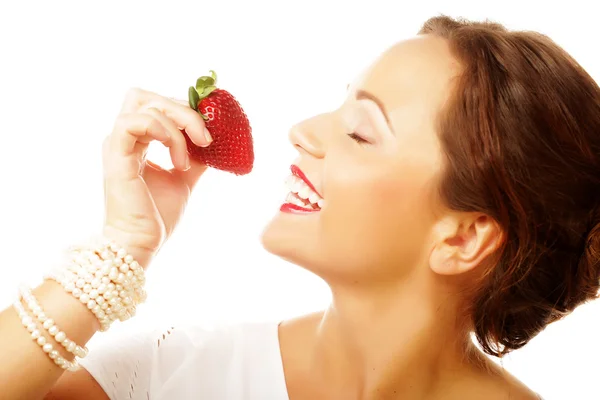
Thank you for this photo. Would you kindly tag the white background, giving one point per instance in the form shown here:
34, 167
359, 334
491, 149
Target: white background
65, 66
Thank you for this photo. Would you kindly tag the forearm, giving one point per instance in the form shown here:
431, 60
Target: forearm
26, 372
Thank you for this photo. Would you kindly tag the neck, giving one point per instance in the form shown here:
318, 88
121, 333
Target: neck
384, 342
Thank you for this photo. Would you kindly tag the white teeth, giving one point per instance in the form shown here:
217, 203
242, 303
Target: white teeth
299, 187
294, 200
321, 203
305, 192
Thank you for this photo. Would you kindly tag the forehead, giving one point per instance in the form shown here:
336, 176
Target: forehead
413, 77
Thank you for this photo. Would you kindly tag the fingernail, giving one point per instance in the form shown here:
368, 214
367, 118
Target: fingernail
209, 138
188, 164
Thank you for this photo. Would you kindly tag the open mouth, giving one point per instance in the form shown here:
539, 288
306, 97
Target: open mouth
301, 194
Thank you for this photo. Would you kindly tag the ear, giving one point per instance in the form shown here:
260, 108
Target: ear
462, 242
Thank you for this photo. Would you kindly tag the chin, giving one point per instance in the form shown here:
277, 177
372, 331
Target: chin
294, 239
288, 238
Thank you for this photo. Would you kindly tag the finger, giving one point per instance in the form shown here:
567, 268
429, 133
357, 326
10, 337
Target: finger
131, 129
184, 117
178, 145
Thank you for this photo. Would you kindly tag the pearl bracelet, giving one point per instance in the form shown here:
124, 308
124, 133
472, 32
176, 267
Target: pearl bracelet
37, 336
49, 325
107, 280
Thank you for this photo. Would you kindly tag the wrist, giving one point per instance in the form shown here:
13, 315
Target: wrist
141, 252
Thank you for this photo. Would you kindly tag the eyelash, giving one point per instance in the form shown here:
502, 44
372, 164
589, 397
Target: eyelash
358, 139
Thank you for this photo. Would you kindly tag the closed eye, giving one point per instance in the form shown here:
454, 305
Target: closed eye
358, 139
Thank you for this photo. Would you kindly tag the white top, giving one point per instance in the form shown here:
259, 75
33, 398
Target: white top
242, 362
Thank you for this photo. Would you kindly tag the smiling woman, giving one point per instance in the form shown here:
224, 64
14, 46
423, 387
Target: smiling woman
456, 190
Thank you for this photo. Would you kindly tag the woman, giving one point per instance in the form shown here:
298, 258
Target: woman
460, 185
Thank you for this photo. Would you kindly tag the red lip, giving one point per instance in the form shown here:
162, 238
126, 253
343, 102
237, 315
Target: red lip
298, 172
294, 209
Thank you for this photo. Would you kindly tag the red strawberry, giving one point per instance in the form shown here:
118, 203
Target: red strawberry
232, 147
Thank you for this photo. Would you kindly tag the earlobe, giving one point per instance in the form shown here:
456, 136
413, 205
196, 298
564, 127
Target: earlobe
464, 242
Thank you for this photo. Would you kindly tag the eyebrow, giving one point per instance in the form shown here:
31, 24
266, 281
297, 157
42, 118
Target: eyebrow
363, 94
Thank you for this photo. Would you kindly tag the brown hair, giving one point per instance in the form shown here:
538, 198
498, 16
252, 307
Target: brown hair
521, 136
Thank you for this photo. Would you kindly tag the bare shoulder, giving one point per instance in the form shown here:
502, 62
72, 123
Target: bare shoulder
496, 383
75, 386
301, 323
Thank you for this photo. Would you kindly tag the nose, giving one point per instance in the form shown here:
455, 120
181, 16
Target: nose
308, 136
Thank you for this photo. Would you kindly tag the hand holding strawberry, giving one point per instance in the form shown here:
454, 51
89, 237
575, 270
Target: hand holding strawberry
143, 201
232, 148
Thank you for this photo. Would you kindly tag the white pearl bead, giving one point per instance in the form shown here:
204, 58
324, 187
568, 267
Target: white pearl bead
104, 306
93, 293
113, 274
41, 340
114, 247
60, 361
117, 262
91, 304
129, 274
99, 299
128, 259
96, 309
53, 354
48, 323
84, 298
53, 330
121, 253
47, 348
80, 283
95, 283
32, 327
36, 311
77, 292
60, 336
69, 287
102, 288
124, 268
79, 352
35, 334
87, 288
66, 343
71, 347
111, 286
26, 320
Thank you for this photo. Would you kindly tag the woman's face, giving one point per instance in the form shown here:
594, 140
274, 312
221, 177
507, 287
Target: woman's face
375, 163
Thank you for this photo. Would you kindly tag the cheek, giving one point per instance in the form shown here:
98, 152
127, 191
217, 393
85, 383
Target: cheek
377, 216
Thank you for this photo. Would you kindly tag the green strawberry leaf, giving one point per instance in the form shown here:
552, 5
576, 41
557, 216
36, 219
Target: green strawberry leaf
193, 98
203, 82
207, 90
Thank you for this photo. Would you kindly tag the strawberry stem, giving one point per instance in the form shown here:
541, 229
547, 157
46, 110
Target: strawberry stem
205, 85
